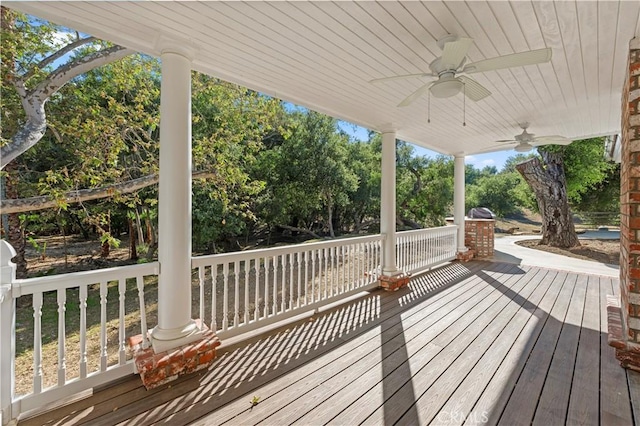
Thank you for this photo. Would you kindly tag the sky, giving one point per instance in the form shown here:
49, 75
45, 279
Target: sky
480, 161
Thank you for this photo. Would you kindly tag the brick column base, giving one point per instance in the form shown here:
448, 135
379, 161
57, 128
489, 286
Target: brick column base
158, 369
465, 256
395, 282
628, 356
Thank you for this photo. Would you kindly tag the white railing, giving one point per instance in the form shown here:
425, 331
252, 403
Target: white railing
94, 303
243, 291
424, 248
92, 314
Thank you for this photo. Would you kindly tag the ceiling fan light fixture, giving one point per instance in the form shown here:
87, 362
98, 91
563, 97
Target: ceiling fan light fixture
445, 88
523, 147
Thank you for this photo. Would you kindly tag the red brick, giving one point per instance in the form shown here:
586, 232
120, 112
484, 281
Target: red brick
176, 367
154, 377
190, 364
206, 357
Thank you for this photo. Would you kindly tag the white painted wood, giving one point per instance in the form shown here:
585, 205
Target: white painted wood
37, 343
103, 325
175, 325
322, 55
83, 330
143, 311
122, 342
459, 199
62, 358
7, 331
388, 202
201, 295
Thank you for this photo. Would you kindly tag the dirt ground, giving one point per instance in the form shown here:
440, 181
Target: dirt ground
528, 223
602, 251
53, 255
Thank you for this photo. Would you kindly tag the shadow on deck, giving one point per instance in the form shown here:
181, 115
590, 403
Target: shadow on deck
476, 343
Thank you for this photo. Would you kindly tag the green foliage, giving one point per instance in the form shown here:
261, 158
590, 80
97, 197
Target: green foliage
584, 164
496, 192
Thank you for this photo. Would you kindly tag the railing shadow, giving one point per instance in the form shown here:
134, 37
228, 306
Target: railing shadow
242, 368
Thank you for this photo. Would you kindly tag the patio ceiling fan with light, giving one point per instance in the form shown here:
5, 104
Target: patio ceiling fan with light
452, 62
526, 141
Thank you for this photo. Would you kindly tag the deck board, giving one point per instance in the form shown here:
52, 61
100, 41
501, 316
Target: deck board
476, 343
583, 402
615, 407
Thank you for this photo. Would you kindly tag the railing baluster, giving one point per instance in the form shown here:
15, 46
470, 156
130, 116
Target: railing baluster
344, 269
299, 264
62, 359
313, 275
236, 299
83, 330
332, 284
143, 311
122, 352
214, 296
306, 277
275, 284
37, 342
283, 286
266, 287
324, 272
103, 326
291, 266
225, 296
256, 272
247, 268
201, 294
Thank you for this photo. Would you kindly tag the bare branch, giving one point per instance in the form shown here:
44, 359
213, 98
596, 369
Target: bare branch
57, 55
62, 75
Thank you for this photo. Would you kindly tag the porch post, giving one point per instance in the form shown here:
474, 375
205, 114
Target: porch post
388, 203
7, 331
459, 199
175, 326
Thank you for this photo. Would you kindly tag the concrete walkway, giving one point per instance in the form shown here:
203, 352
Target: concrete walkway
506, 250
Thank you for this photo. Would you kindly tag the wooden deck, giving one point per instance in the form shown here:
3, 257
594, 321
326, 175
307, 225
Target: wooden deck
476, 343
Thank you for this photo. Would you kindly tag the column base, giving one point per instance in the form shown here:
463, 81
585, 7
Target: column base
158, 368
465, 256
628, 354
394, 282
162, 339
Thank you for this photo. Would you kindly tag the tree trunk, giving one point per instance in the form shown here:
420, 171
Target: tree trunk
16, 232
78, 196
133, 252
548, 182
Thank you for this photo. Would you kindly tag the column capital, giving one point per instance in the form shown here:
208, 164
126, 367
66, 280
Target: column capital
388, 128
178, 46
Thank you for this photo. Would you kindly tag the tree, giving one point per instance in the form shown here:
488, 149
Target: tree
585, 167
424, 188
33, 70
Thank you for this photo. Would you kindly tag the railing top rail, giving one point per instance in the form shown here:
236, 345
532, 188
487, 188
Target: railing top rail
74, 279
275, 251
428, 230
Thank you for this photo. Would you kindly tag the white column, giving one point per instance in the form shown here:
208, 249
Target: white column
175, 326
459, 199
388, 203
7, 331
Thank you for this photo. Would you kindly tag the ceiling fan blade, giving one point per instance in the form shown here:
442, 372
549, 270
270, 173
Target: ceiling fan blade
552, 140
415, 95
507, 61
474, 90
455, 51
400, 77
507, 140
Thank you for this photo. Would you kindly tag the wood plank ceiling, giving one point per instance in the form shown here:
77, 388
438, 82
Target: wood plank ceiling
322, 54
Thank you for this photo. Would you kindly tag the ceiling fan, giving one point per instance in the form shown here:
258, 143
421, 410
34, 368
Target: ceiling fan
452, 62
527, 141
